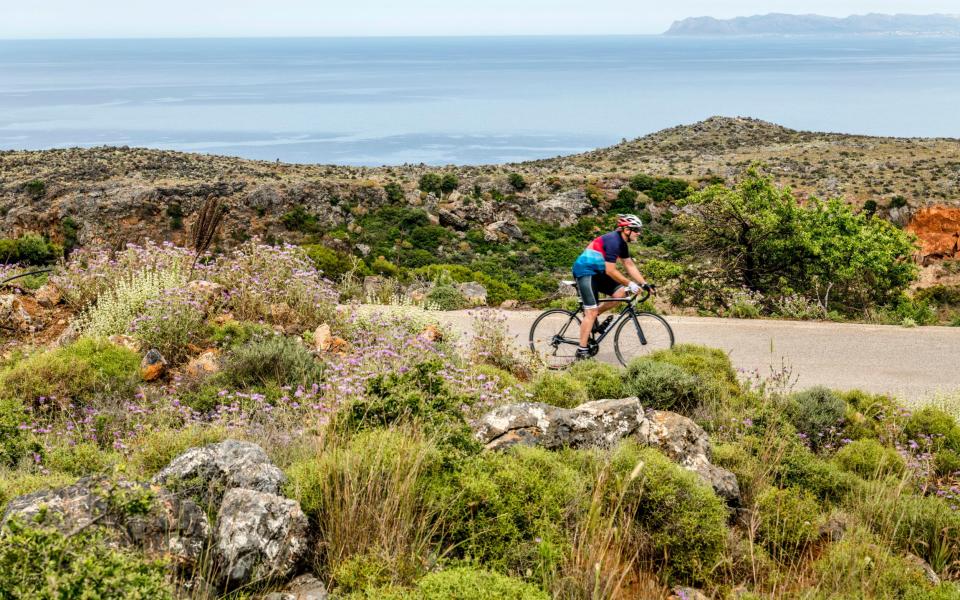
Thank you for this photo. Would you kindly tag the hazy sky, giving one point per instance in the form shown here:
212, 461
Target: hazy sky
165, 18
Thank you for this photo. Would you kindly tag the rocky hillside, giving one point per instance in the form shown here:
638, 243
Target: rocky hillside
116, 194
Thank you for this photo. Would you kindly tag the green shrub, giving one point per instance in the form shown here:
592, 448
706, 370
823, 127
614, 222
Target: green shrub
30, 249
15, 443
711, 366
870, 459
299, 219
332, 263
681, 517
868, 415
802, 469
473, 584
84, 458
35, 188
737, 459
236, 333
382, 266
362, 572
394, 192
933, 425
446, 296
860, 566
602, 380
946, 461
558, 389
517, 182
273, 359
661, 385
509, 512
817, 414
82, 371
42, 563
789, 520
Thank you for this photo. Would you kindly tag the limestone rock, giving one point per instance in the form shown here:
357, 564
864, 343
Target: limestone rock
48, 295
504, 230
688, 593
452, 219
432, 333
124, 341
324, 341
924, 566
304, 587
172, 527
474, 292
207, 363
564, 208
509, 304
259, 536
599, 423
13, 314
153, 366
213, 469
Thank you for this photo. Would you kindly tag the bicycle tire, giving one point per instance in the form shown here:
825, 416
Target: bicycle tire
551, 323
627, 343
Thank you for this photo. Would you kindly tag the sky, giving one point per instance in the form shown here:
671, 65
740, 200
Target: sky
282, 18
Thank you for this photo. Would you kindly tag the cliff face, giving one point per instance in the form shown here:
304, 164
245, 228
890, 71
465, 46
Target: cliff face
938, 229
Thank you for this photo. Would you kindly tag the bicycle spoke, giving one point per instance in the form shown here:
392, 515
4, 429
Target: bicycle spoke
642, 336
554, 338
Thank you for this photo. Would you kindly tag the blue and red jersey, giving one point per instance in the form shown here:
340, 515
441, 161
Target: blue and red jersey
609, 247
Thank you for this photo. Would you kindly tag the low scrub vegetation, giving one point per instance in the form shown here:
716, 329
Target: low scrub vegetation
843, 493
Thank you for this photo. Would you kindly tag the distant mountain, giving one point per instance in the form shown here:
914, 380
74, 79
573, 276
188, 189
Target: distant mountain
784, 24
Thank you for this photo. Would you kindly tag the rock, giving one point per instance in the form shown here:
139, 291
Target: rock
259, 536
564, 208
835, 526
48, 295
363, 249
432, 333
171, 527
304, 587
505, 230
153, 366
13, 314
207, 363
281, 312
937, 228
211, 470
687, 443
924, 566
509, 304
324, 341
688, 593
474, 292
603, 423
125, 341
452, 219
68, 335
600, 423
372, 284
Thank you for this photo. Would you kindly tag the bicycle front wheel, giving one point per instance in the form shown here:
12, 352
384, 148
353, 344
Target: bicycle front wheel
554, 337
640, 335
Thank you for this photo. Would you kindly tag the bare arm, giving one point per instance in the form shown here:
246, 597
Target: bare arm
615, 274
633, 271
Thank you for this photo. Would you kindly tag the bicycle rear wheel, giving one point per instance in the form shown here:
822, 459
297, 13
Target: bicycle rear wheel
641, 335
554, 337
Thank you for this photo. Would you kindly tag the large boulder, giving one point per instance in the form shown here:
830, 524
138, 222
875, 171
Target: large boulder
564, 208
599, 423
603, 423
211, 470
13, 314
502, 230
131, 514
474, 292
448, 218
259, 536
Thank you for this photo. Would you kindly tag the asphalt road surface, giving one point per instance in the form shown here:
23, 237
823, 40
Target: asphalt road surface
910, 363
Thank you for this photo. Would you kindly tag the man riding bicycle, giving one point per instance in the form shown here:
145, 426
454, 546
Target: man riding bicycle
596, 272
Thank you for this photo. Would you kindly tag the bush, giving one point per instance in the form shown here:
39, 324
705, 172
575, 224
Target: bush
30, 249
802, 469
711, 366
236, 333
681, 517
868, 415
933, 425
558, 389
272, 359
394, 192
43, 563
332, 263
860, 566
171, 323
602, 380
446, 296
117, 307
80, 372
817, 414
15, 443
946, 462
870, 459
661, 385
473, 584
517, 182
788, 521
509, 512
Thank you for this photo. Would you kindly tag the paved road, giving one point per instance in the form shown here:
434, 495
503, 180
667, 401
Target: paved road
909, 363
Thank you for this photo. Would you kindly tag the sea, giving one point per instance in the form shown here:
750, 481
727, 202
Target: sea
460, 100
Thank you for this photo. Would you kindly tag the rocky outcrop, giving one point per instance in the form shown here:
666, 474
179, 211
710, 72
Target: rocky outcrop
259, 536
564, 208
603, 423
13, 315
938, 229
157, 522
211, 471
304, 587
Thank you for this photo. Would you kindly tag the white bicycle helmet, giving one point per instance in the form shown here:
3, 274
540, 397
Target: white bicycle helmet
630, 222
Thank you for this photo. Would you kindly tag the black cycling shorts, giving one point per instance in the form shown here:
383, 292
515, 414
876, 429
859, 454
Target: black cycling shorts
592, 285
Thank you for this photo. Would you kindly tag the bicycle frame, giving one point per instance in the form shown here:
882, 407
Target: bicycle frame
627, 312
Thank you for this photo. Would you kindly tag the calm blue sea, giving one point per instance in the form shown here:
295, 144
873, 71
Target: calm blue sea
460, 100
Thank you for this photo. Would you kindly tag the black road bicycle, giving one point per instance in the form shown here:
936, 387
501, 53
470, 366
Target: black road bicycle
555, 335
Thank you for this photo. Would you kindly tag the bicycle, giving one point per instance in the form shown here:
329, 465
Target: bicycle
555, 335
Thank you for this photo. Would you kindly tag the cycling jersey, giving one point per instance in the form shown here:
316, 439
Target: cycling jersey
609, 247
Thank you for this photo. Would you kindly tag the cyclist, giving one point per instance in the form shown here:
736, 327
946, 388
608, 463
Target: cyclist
596, 272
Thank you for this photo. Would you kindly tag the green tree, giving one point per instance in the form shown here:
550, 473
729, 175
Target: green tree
394, 192
449, 182
517, 182
430, 183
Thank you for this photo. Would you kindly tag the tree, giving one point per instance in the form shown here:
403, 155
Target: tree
517, 182
430, 183
448, 183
